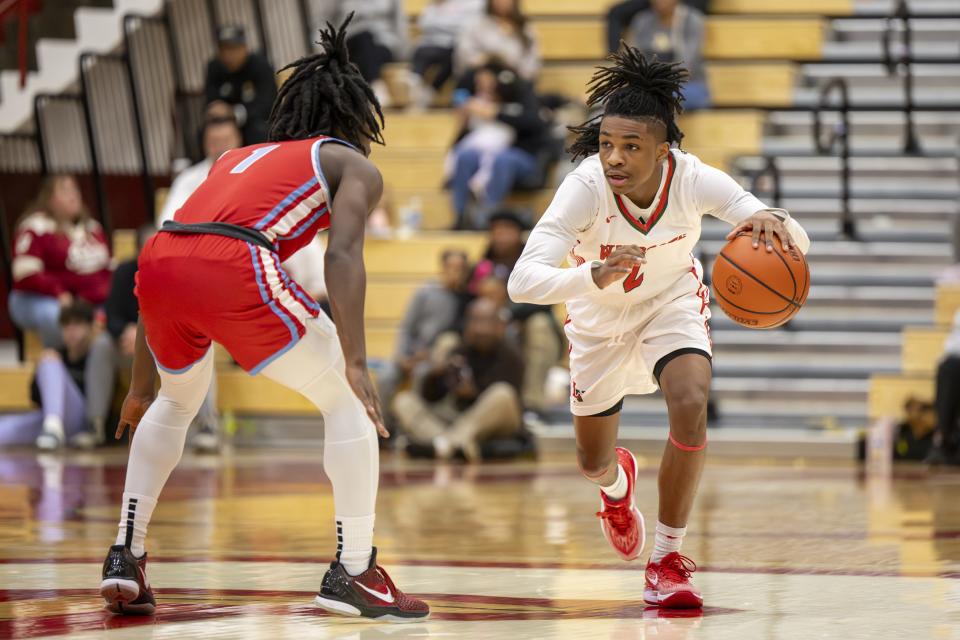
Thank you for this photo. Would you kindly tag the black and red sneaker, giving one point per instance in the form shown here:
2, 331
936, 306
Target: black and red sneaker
371, 594
124, 585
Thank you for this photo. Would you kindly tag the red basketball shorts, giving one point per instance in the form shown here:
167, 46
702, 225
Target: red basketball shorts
197, 289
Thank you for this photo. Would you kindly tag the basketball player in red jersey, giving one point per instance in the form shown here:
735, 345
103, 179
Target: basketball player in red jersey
628, 218
214, 274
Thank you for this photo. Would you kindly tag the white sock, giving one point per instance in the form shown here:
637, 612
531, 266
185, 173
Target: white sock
134, 517
355, 543
667, 540
618, 490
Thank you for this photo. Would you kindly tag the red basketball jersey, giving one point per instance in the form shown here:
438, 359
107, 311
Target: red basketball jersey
276, 188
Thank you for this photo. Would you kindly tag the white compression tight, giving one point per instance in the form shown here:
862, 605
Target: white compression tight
314, 368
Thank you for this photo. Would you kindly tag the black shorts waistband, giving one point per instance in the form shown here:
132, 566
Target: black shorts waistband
219, 229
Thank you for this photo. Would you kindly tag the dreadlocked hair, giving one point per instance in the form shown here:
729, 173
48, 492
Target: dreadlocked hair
634, 87
326, 95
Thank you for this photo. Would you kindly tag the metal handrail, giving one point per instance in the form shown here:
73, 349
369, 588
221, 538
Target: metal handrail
904, 60
145, 175
840, 134
102, 205
771, 168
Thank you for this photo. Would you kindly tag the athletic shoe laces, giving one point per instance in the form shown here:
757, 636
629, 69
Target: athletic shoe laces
677, 567
617, 515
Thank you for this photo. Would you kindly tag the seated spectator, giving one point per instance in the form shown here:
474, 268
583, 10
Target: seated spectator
621, 15
502, 34
60, 254
946, 449
434, 309
470, 395
913, 438
440, 24
219, 136
73, 397
501, 137
240, 84
377, 35
123, 311
674, 33
536, 330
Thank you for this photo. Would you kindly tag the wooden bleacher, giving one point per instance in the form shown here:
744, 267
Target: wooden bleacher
921, 350
572, 40
746, 7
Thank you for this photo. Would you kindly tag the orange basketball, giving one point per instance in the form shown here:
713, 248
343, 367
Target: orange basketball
757, 288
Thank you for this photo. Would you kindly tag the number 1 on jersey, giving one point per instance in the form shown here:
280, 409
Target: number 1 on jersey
633, 280
255, 155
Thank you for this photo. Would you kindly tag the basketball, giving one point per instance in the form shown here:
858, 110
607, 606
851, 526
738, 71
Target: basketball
757, 288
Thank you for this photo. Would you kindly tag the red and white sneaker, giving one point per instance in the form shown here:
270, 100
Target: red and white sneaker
371, 594
668, 583
620, 520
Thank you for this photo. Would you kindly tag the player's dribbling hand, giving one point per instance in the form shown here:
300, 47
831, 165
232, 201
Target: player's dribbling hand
131, 412
767, 224
618, 265
359, 381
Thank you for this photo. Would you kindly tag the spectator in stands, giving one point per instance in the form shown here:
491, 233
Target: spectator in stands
502, 135
946, 448
440, 24
377, 35
674, 33
536, 330
240, 84
502, 34
433, 310
219, 136
621, 15
123, 310
60, 254
913, 439
70, 395
469, 395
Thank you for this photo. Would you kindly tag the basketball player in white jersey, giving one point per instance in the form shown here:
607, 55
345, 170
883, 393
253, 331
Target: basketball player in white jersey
627, 219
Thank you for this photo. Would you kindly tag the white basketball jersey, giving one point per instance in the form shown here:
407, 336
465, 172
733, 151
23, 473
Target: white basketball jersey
587, 221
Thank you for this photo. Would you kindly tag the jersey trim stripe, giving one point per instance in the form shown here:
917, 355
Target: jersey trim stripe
282, 206
291, 285
306, 207
301, 227
640, 225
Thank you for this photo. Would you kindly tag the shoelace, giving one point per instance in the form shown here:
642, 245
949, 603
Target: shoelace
619, 517
677, 567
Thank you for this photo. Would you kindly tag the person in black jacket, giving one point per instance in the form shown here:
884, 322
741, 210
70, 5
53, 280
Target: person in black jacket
622, 14
501, 135
240, 84
471, 394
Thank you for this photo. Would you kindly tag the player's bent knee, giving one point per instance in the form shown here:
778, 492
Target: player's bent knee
594, 466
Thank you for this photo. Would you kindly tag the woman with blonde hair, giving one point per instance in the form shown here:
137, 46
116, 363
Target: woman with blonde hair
60, 254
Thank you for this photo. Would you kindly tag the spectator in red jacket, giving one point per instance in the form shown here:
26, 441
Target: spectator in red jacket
59, 254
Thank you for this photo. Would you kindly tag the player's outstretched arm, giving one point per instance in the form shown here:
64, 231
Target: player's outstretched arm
721, 197
537, 277
358, 190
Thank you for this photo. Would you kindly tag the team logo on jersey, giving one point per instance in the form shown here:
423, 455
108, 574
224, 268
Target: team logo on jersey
577, 394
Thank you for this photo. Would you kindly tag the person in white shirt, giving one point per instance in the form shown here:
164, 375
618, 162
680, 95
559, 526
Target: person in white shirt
628, 219
219, 136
